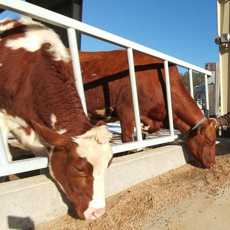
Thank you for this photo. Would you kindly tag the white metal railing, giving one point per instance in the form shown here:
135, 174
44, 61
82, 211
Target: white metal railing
71, 25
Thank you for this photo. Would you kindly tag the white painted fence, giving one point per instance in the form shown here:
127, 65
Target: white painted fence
71, 25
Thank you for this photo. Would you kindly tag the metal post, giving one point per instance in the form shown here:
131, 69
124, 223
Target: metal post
169, 99
206, 92
191, 83
77, 14
217, 91
219, 23
3, 151
76, 66
134, 93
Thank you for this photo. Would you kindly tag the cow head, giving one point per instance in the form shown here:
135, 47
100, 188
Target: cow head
78, 166
201, 143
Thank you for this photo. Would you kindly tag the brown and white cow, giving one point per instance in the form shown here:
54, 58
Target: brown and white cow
40, 106
107, 86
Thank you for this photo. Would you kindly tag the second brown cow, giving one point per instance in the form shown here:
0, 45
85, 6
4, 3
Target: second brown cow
108, 92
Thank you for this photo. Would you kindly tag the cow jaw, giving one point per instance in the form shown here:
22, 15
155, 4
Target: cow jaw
95, 147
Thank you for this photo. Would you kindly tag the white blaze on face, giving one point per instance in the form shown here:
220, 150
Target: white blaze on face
95, 147
35, 36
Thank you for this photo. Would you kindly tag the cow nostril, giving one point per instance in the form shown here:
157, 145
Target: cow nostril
93, 213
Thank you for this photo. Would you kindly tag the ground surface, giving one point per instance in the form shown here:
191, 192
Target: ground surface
188, 198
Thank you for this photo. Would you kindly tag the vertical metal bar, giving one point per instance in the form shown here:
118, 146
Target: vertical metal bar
76, 66
221, 86
3, 151
169, 98
134, 93
217, 91
206, 91
191, 83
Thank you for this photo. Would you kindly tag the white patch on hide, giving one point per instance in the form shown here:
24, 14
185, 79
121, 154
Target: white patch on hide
146, 128
61, 131
100, 134
53, 120
5, 19
16, 126
100, 112
95, 147
6, 26
1, 64
36, 35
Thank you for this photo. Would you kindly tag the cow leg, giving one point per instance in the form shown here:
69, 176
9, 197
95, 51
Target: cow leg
126, 117
150, 125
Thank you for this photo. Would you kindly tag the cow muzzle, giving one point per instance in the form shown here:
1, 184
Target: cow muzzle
93, 213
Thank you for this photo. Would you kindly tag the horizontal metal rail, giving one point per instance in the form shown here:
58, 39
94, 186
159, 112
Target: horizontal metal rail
66, 22
26, 165
11, 167
142, 144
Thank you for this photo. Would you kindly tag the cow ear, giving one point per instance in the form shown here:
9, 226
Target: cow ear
213, 122
50, 136
99, 133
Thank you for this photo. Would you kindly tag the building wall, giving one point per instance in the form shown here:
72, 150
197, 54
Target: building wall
223, 21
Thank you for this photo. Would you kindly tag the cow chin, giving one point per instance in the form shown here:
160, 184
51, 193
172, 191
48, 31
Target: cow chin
93, 213
89, 210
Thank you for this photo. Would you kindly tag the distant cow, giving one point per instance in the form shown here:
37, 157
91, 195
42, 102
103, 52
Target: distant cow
40, 106
108, 91
224, 120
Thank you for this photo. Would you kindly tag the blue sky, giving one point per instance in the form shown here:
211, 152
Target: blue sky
183, 29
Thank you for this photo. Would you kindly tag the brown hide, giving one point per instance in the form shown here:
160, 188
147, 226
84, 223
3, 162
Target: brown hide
107, 86
33, 86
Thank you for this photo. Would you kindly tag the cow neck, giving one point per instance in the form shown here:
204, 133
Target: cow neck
187, 125
58, 96
197, 122
195, 127
74, 121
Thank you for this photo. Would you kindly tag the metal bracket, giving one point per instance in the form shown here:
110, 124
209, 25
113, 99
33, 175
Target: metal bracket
223, 40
